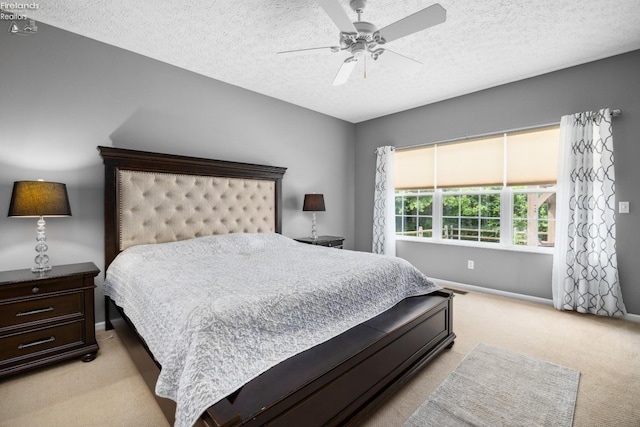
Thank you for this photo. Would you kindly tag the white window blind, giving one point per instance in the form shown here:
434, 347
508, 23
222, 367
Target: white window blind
471, 163
416, 168
531, 159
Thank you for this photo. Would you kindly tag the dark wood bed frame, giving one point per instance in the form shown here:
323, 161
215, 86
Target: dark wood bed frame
338, 382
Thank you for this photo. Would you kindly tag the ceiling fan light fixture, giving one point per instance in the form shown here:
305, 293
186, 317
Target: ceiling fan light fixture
359, 48
376, 54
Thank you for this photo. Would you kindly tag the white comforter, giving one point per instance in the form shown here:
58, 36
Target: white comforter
218, 311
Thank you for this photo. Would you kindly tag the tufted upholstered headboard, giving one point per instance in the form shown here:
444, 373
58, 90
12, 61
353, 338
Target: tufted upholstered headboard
155, 198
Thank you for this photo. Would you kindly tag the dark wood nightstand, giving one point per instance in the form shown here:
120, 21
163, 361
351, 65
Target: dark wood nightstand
330, 241
46, 318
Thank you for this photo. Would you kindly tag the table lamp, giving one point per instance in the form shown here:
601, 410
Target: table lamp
37, 199
313, 203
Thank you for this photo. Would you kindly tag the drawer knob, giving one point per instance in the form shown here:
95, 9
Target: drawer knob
35, 290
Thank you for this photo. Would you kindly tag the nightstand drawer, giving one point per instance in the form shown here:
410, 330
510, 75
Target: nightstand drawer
41, 341
19, 290
32, 310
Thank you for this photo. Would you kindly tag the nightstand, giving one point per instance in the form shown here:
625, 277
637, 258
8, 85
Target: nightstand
47, 317
330, 241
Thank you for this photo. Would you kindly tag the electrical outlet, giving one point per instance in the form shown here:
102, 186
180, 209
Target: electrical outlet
470, 264
623, 207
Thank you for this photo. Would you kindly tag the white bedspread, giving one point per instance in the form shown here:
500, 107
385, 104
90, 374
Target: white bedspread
218, 311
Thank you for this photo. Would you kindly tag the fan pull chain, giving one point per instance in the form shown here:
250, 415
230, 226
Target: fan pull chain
365, 66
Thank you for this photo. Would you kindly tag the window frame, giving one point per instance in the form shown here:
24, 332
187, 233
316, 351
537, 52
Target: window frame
506, 208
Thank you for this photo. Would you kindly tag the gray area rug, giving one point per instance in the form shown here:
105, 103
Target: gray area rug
496, 387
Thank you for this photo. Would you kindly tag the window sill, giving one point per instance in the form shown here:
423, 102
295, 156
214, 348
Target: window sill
478, 245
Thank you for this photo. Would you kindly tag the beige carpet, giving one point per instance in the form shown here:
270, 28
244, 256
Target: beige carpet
106, 392
109, 391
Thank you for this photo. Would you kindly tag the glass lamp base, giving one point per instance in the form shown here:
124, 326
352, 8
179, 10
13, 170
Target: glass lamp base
314, 234
42, 259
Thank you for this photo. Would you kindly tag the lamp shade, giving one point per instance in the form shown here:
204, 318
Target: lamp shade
313, 202
39, 198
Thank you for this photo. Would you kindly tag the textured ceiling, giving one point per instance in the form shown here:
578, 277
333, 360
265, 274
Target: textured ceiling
483, 43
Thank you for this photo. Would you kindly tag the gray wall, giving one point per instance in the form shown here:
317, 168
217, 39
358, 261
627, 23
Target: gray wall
63, 95
611, 82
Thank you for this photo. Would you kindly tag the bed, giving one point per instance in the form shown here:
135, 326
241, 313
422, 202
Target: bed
158, 206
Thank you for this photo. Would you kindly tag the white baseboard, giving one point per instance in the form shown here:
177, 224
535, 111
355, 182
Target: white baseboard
441, 282
100, 326
632, 317
539, 300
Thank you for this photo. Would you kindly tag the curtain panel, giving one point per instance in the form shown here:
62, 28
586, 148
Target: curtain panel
384, 203
585, 267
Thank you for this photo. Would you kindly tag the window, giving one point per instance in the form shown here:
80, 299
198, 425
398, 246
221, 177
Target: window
471, 215
414, 214
494, 190
534, 216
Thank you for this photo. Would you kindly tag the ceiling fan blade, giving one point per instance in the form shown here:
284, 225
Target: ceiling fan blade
306, 51
337, 15
432, 15
400, 58
401, 62
345, 71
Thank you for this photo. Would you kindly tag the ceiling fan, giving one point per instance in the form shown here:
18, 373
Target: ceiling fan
361, 39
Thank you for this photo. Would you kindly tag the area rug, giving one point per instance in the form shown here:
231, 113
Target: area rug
496, 387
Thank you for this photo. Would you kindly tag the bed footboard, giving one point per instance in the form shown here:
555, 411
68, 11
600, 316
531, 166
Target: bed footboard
341, 381
335, 383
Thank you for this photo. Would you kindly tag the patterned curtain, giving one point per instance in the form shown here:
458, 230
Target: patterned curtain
383, 204
585, 267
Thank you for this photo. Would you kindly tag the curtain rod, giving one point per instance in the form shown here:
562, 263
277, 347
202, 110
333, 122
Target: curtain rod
615, 112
